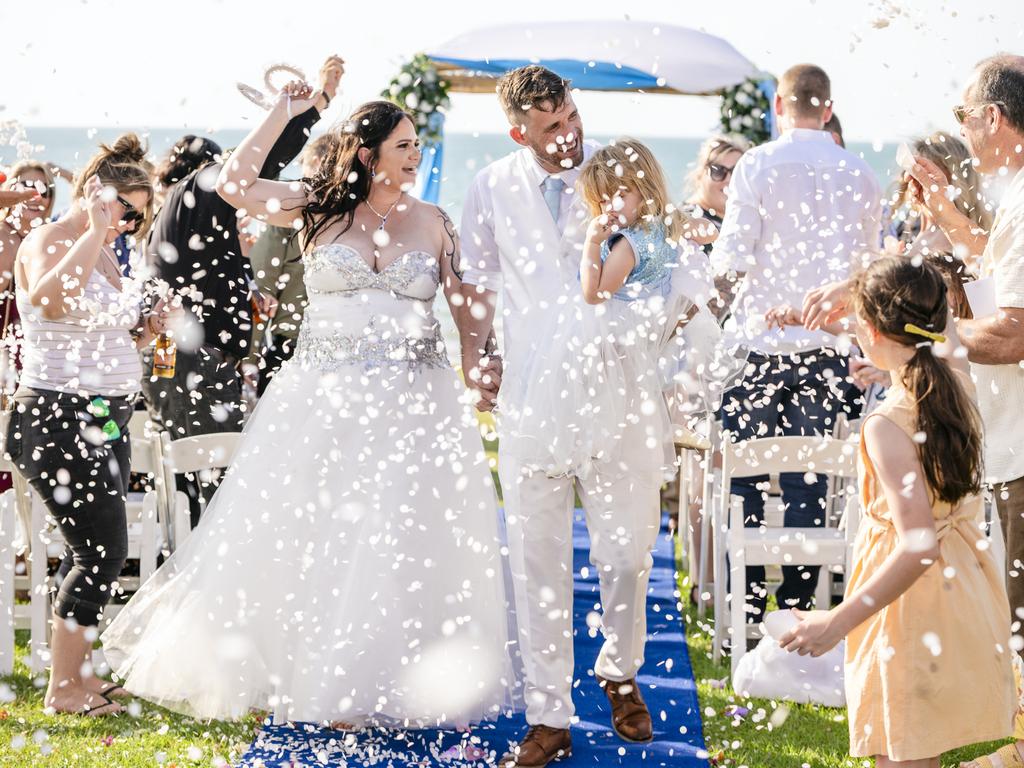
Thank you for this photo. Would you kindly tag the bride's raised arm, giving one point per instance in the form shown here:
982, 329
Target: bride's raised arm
276, 202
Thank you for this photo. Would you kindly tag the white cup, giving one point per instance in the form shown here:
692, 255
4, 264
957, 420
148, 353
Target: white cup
981, 295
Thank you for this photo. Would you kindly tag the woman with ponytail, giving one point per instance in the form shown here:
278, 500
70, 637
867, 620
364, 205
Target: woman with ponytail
925, 617
68, 432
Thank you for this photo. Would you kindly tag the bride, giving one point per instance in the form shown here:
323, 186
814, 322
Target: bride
349, 567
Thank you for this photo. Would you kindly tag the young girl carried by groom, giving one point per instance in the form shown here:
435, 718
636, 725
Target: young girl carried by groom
637, 351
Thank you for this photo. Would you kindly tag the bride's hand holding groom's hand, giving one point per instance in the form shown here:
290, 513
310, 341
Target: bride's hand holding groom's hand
483, 376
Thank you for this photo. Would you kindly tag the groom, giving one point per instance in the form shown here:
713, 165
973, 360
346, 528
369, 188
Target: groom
522, 234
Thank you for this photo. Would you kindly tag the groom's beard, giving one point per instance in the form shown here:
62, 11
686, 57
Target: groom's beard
575, 155
556, 158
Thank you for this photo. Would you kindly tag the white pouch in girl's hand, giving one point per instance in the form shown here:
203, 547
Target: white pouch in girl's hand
771, 672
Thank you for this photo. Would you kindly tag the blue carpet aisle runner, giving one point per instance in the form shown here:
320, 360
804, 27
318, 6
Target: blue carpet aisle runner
666, 682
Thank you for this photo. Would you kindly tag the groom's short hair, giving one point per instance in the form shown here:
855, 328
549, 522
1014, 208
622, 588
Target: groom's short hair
530, 87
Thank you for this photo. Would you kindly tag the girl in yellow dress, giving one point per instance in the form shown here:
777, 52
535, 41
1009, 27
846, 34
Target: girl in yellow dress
925, 616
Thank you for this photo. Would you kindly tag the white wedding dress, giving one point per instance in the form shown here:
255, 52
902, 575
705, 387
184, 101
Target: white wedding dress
350, 564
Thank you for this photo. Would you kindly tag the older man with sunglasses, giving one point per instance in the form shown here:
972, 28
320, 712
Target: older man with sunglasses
802, 212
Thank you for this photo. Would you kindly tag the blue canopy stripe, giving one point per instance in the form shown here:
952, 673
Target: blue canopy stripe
588, 75
767, 87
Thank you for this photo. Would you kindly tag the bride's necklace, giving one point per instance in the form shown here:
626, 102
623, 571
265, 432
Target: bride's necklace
382, 216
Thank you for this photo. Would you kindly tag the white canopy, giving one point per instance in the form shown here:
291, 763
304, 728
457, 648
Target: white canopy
596, 55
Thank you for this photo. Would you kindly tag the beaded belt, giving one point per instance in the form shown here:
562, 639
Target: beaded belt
331, 351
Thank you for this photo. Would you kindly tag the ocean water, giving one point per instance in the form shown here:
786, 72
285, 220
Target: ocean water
464, 155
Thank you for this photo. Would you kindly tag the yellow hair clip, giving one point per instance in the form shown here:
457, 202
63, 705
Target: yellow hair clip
938, 338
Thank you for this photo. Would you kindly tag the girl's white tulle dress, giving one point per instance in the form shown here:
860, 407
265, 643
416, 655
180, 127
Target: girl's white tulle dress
611, 388
349, 567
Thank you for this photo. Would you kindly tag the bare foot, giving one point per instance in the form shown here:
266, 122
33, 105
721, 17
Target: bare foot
81, 701
341, 725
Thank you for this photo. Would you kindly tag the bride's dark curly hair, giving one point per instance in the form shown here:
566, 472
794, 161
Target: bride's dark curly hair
343, 182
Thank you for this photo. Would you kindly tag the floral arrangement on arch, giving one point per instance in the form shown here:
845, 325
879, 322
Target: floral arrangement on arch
420, 90
744, 109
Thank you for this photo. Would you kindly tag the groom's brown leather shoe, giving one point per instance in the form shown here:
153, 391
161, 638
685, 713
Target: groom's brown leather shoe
630, 718
541, 745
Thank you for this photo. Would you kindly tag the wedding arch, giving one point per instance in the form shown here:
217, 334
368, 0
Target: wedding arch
645, 57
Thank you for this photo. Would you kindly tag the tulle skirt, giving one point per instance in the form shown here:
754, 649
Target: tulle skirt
350, 565
612, 388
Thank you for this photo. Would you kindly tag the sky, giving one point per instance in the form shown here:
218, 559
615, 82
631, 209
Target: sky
896, 67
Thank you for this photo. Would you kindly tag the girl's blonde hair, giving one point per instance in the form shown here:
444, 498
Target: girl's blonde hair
626, 163
711, 150
953, 157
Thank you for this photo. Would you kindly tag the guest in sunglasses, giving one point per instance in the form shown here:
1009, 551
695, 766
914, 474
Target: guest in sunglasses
32, 184
68, 432
29, 195
710, 178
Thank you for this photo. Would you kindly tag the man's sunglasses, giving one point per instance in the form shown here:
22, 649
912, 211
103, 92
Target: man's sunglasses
131, 213
719, 172
961, 111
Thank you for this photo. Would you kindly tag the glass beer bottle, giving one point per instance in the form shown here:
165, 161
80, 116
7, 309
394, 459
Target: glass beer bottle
164, 356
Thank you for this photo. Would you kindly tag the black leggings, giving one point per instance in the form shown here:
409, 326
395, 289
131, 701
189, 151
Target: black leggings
58, 444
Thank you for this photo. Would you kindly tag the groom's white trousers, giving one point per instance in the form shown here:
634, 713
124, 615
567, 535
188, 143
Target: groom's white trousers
623, 518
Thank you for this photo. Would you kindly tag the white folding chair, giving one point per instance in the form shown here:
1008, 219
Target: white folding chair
146, 536
197, 455
712, 478
8, 550
826, 547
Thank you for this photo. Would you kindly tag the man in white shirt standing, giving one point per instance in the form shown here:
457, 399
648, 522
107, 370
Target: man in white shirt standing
992, 123
522, 234
802, 212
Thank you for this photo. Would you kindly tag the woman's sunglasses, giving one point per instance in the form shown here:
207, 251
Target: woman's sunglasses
131, 213
719, 172
40, 188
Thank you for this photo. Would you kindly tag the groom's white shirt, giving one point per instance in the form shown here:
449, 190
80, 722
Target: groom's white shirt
510, 243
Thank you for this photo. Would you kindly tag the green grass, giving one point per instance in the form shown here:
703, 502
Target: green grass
774, 734
150, 738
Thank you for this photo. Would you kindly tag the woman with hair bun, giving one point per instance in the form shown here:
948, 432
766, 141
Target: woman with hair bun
68, 432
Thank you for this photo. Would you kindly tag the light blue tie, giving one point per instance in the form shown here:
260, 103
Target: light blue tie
553, 187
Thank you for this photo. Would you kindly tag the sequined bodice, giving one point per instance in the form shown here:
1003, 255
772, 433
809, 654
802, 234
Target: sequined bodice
358, 316
338, 268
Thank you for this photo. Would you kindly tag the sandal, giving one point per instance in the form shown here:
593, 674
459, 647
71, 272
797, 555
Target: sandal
114, 691
1005, 757
86, 711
